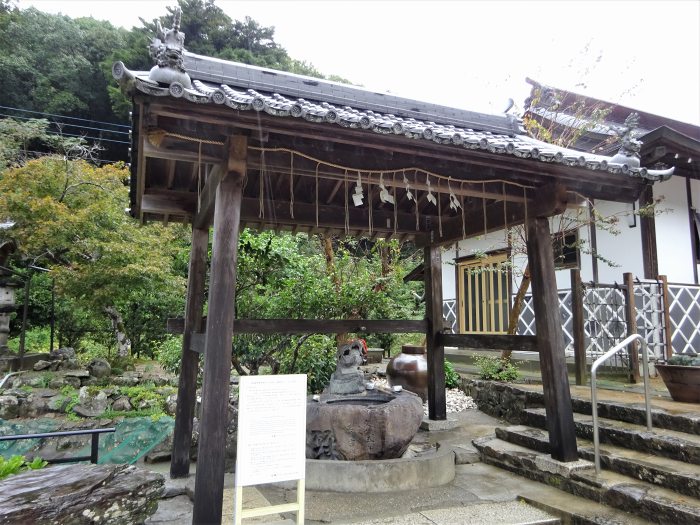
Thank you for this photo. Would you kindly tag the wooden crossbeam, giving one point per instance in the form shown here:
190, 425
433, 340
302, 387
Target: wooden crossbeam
313, 326
516, 343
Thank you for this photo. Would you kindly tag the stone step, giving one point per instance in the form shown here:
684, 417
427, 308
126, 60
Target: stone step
576, 510
506, 400
678, 476
656, 504
662, 442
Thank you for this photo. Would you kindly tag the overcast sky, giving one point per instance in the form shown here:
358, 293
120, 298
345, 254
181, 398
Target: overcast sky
476, 54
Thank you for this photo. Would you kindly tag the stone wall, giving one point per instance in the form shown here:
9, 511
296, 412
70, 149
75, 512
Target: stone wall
502, 400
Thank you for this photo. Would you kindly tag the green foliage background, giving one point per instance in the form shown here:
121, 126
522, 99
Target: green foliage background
68, 208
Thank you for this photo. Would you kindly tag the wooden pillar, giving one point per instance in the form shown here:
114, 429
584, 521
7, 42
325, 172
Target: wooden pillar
189, 365
577, 330
437, 403
668, 327
694, 226
647, 225
550, 340
209, 479
631, 317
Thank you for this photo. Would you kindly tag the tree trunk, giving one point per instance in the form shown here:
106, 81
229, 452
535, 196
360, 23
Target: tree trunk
518, 304
123, 342
333, 274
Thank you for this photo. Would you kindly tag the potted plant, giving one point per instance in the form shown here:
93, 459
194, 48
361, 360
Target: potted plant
681, 375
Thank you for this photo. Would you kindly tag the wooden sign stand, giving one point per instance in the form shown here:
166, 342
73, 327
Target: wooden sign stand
240, 513
271, 440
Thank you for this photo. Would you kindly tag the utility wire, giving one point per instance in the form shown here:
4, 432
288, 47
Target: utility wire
68, 124
66, 117
44, 153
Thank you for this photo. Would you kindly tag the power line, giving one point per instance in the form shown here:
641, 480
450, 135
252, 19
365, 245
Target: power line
44, 154
65, 117
98, 139
67, 124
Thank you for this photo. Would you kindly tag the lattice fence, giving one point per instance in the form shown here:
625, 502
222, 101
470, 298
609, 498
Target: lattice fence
605, 323
684, 305
449, 313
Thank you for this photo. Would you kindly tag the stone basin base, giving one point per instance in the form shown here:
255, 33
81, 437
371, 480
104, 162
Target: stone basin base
387, 475
377, 424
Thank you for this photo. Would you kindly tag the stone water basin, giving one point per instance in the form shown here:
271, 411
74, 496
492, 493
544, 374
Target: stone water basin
363, 443
375, 424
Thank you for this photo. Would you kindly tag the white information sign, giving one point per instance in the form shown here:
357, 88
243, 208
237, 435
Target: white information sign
271, 429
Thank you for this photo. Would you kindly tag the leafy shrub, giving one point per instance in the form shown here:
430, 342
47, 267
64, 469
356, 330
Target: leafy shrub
315, 357
496, 369
122, 363
169, 353
19, 464
451, 376
36, 340
684, 360
91, 349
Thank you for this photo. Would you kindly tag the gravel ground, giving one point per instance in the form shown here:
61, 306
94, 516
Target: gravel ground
457, 401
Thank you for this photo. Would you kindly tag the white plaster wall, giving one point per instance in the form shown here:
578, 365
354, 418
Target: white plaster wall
448, 274
673, 231
623, 249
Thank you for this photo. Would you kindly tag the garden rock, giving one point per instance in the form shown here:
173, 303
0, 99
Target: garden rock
90, 406
58, 403
61, 381
9, 407
63, 354
69, 364
171, 404
33, 406
42, 365
80, 374
125, 381
80, 494
122, 404
99, 368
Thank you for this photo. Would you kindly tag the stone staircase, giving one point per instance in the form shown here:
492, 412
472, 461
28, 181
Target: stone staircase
652, 475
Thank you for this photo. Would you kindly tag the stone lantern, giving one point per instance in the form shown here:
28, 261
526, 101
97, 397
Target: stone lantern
7, 306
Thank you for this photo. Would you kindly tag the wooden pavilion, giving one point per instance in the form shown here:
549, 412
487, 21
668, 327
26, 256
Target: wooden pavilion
230, 145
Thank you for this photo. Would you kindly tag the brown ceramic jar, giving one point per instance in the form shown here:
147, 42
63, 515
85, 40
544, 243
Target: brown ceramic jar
409, 369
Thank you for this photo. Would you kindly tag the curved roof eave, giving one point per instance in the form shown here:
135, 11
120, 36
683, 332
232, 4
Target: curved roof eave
235, 95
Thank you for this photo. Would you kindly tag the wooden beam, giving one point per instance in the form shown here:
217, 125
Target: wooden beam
693, 226
515, 343
550, 339
551, 199
668, 327
577, 327
647, 226
207, 197
631, 318
171, 174
189, 367
470, 189
437, 402
141, 162
316, 326
156, 152
209, 480
171, 202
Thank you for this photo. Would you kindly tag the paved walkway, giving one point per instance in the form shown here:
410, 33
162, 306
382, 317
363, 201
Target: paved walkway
479, 494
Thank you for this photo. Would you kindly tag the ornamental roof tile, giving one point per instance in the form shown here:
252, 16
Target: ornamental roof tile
248, 88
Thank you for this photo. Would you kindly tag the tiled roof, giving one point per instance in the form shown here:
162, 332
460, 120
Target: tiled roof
236, 95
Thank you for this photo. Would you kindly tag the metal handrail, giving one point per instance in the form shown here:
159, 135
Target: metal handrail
594, 400
94, 443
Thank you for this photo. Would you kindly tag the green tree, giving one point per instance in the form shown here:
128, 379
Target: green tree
69, 215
